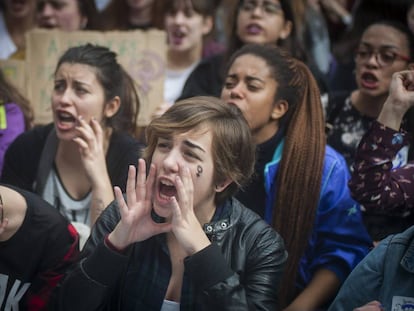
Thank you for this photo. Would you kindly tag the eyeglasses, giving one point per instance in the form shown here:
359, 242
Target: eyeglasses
384, 57
266, 6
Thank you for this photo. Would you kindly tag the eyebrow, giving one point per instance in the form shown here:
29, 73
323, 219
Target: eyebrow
192, 145
80, 83
384, 46
76, 83
248, 78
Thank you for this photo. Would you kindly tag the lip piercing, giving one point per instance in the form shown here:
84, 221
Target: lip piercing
199, 171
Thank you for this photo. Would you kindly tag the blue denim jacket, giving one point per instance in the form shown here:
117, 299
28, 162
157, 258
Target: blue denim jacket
339, 239
386, 275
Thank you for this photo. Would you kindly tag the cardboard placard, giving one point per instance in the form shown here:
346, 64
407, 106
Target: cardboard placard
141, 53
14, 71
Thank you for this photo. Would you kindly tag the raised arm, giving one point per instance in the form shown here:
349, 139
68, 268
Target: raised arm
374, 182
400, 99
92, 150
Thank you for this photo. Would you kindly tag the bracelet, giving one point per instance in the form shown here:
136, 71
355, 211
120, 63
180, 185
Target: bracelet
112, 247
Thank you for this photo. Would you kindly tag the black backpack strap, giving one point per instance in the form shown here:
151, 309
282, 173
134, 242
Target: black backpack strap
47, 160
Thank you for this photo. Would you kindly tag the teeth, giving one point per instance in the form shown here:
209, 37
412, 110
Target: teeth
167, 183
65, 114
163, 196
178, 33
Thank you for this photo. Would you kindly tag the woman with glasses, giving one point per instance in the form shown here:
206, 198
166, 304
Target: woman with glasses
253, 21
385, 274
387, 191
385, 48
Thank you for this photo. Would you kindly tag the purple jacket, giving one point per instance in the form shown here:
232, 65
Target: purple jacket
11, 125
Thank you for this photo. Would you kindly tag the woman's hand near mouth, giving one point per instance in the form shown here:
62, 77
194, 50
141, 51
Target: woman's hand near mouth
92, 149
185, 225
136, 222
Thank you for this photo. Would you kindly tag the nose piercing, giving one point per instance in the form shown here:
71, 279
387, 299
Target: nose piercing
199, 171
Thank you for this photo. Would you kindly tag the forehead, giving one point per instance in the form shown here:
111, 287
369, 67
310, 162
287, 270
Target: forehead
201, 135
139, 3
196, 132
384, 35
57, 3
260, 1
202, 7
79, 72
251, 65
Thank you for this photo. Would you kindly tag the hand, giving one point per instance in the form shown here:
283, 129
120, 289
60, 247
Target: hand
92, 150
336, 10
401, 92
185, 225
371, 306
136, 223
400, 99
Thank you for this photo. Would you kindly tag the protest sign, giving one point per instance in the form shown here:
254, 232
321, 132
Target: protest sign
14, 71
141, 53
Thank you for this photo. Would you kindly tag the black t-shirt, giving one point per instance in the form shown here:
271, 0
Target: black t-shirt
253, 195
36, 256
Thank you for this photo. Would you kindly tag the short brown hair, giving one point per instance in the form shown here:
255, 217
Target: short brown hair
233, 149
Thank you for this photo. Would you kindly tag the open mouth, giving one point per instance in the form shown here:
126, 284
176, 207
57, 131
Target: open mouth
167, 189
177, 36
369, 80
65, 119
253, 29
178, 33
47, 25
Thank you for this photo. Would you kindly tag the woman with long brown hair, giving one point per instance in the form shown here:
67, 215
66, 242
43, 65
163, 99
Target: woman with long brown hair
300, 184
74, 161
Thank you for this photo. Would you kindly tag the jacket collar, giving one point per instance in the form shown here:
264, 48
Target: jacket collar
407, 261
224, 218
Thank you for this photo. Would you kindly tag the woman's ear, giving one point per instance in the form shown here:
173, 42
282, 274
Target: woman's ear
207, 25
279, 109
112, 107
222, 185
410, 66
286, 30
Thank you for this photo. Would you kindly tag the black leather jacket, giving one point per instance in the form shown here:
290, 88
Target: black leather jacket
240, 270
